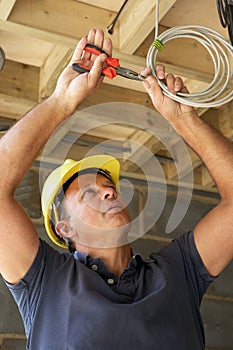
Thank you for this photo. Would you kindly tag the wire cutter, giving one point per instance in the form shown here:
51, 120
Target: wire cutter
113, 66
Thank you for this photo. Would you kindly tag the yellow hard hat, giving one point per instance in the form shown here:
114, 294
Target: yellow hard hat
107, 165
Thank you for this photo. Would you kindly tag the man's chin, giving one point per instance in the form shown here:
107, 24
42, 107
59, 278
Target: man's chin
107, 237
117, 218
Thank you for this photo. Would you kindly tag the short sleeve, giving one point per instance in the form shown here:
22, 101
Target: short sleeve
197, 275
27, 291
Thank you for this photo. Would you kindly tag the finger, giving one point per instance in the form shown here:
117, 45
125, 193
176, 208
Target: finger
91, 36
153, 89
107, 46
145, 72
96, 70
99, 38
178, 84
90, 39
78, 52
184, 90
160, 71
170, 80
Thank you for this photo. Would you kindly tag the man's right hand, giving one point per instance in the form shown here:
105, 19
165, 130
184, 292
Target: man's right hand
72, 87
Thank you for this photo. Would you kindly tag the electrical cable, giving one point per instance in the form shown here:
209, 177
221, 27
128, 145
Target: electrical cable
219, 91
225, 13
2, 58
111, 26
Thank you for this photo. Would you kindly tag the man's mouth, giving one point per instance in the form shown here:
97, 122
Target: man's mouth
115, 208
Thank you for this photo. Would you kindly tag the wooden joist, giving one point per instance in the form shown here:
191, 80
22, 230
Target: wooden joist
6, 7
137, 21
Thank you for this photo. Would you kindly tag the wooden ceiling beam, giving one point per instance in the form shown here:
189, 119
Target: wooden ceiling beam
198, 12
206, 178
13, 107
203, 177
16, 48
136, 144
6, 7
172, 167
49, 72
137, 21
73, 19
35, 33
20, 80
143, 146
105, 4
225, 120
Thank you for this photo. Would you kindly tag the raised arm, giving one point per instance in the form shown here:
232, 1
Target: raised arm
22, 143
214, 233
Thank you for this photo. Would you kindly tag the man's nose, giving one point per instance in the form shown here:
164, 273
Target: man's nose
108, 193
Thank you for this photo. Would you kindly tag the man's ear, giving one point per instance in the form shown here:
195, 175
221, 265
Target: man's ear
64, 229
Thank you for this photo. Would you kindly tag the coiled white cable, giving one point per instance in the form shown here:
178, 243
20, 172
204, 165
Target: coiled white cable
219, 91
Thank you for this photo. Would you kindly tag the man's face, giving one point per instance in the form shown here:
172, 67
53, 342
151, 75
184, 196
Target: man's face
97, 212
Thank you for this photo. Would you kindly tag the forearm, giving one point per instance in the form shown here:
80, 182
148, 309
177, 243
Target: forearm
21, 144
213, 148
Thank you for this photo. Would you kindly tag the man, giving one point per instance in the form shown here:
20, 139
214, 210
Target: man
105, 298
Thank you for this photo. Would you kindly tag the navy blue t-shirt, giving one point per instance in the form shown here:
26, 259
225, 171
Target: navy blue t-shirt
73, 302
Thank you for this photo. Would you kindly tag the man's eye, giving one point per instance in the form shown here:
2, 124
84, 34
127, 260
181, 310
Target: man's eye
89, 191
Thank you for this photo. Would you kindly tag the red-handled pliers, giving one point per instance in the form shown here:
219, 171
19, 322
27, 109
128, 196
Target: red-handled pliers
113, 65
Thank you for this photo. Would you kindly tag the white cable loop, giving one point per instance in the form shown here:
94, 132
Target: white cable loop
219, 91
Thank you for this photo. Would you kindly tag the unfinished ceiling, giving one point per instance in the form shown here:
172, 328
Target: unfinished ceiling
38, 38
